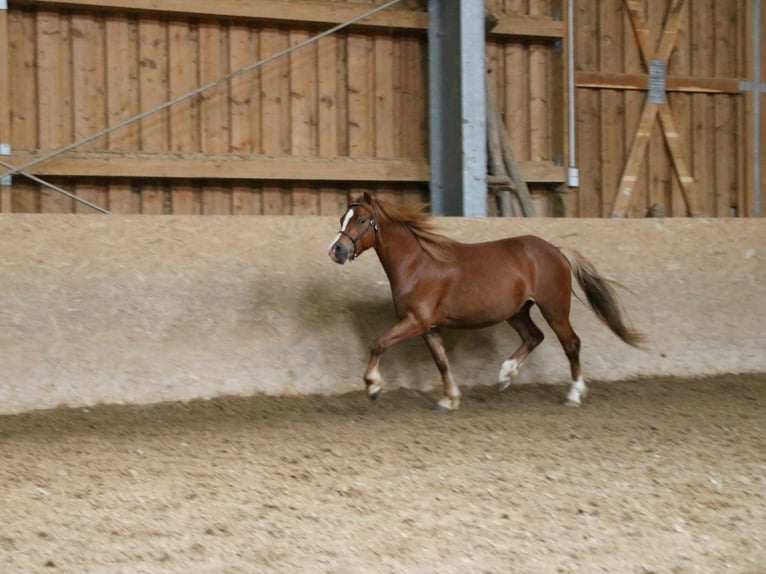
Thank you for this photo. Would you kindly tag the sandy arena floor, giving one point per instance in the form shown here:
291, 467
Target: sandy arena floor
653, 476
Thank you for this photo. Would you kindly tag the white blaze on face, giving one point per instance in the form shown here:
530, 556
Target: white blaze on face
349, 215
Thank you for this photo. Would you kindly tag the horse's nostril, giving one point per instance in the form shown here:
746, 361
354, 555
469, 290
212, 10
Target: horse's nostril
337, 248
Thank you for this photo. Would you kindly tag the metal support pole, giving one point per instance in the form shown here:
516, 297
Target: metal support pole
757, 90
458, 118
5, 106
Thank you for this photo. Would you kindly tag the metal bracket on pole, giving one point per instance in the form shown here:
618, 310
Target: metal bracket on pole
5, 149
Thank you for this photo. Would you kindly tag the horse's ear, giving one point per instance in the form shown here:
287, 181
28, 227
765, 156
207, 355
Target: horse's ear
367, 198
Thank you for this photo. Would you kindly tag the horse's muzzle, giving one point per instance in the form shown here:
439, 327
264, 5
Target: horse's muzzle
338, 253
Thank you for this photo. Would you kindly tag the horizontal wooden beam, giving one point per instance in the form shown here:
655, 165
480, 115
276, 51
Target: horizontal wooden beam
318, 12
224, 166
307, 12
249, 167
617, 81
530, 26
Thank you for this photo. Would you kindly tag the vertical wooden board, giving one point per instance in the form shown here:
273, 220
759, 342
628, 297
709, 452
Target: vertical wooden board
245, 198
89, 102
397, 130
746, 103
123, 197
89, 75
361, 103
515, 106
585, 201
305, 199
214, 110
122, 102
385, 119
680, 64
216, 198
23, 94
24, 196
303, 96
275, 90
184, 116
700, 149
341, 97
327, 106
656, 175
413, 113
153, 91
275, 199
183, 76
153, 84
274, 117
20, 119
591, 193
645, 193
303, 117
54, 95
332, 200
242, 88
725, 182
611, 127
539, 94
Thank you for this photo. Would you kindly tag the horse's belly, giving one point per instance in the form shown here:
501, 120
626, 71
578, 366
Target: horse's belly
482, 306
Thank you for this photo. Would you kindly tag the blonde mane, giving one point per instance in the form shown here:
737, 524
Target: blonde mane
420, 223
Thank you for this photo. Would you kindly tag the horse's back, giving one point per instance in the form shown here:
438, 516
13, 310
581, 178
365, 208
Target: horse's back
527, 258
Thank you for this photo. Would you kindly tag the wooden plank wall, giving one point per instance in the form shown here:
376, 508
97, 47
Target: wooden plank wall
359, 93
359, 96
711, 50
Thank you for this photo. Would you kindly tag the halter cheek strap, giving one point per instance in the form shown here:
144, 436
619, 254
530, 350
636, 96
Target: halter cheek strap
370, 224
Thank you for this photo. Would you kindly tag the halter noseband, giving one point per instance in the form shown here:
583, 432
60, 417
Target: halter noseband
370, 224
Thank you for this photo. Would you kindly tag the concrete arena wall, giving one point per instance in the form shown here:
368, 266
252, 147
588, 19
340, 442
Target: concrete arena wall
142, 309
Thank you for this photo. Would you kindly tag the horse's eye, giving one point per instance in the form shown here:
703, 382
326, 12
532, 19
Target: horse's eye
360, 221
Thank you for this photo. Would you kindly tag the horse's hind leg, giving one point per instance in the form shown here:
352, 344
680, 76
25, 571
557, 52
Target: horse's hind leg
451, 399
569, 340
531, 337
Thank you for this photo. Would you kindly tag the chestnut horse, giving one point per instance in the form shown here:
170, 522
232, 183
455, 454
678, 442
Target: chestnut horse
439, 282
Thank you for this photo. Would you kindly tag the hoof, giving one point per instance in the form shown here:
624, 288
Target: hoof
441, 409
447, 405
573, 404
502, 385
374, 390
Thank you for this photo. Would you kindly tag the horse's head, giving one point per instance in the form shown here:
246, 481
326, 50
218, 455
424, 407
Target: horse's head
357, 230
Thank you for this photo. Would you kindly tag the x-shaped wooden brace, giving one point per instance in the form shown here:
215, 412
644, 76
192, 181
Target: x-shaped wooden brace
651, 111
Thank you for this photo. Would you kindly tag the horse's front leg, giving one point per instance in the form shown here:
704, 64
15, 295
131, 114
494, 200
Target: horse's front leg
404, 329
451, 399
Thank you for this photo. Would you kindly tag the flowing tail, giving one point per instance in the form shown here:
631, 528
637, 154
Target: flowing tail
602, 298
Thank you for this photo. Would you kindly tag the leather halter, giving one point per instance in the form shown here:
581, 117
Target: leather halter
370, 224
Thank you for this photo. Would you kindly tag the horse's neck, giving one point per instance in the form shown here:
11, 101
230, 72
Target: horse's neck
398, 250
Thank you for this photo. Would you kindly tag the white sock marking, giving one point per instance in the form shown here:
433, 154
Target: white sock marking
576, 391
509, 370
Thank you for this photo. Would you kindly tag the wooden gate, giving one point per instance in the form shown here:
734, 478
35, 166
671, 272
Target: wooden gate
677, 61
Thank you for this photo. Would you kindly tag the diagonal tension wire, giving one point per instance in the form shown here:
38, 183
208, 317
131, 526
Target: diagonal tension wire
142, 115
57, 188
